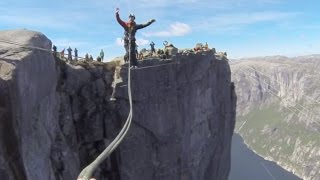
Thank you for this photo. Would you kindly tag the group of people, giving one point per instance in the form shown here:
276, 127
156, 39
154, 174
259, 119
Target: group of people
130, 46
61, 54
70, 58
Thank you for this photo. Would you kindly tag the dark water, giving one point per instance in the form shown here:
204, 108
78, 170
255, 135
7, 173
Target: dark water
246, 165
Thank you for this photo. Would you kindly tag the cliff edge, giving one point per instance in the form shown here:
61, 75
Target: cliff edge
55, 117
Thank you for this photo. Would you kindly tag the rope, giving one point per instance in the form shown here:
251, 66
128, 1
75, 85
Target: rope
268, 171
309, 98
152, 66
87, 172
34, 47
23, 45
270, 92
276, 90
303, 107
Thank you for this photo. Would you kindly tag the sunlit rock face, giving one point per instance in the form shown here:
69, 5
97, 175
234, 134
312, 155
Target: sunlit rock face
55, 118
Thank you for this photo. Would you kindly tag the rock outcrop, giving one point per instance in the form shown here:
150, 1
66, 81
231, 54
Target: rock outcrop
55, 117
28, 106
278, 110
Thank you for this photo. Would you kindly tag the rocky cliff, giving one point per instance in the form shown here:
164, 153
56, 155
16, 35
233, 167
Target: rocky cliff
278, 110
55, 117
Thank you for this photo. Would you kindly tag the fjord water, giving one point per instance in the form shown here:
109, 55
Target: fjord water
246, 165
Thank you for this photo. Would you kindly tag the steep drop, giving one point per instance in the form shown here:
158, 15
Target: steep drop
61, 116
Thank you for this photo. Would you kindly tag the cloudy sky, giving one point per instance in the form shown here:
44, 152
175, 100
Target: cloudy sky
242, 28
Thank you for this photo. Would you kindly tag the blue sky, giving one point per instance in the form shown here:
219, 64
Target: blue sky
242, 28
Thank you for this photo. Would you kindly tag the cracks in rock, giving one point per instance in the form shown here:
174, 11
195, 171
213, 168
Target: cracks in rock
259, 83
11, 142
148, 131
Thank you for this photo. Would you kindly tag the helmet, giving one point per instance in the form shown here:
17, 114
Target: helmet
132, 15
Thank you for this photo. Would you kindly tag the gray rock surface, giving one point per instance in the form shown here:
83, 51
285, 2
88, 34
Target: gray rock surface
55, 117
281, 105
29, 106
183, 116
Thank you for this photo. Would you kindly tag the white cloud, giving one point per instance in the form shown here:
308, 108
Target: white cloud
157, 3
139, 41
193, 4
119, 41
63, 43
175, 29
236, 20
142, 42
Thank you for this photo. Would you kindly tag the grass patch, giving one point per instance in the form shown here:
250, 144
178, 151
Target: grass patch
267, 132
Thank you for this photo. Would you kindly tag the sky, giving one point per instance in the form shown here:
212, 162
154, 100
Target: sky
242, 28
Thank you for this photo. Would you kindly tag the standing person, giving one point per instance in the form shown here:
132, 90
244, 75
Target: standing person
76, 54
87, 57
130, 29
54, 50
69, 54
153, 50
165, 43
206, 47
101, 54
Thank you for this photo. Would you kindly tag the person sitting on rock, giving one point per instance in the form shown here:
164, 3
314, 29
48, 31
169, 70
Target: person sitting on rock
130, 29
99, 59
140, 56
62, 53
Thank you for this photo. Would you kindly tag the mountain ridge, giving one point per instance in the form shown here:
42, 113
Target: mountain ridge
278, 109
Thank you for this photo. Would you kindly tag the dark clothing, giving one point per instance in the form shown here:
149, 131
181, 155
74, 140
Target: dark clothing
54, 50
87, 57
76, 54
130, 29
69, 53
133, 55
101, 54
152, 47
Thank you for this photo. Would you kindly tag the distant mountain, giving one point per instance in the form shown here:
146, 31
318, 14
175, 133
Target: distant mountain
278, 110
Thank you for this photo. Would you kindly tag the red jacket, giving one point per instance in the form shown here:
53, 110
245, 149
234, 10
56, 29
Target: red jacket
133, 29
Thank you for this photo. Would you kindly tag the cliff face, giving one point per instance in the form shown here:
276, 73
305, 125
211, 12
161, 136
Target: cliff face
183, 115
55, 118
28, 106
280, 112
